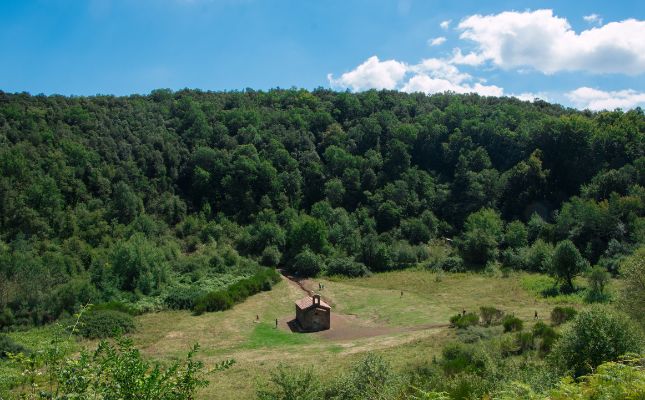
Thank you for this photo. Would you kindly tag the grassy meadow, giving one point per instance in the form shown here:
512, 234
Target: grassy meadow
375, 301
418, 317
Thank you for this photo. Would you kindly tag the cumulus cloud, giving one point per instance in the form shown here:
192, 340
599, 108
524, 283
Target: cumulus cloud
436, 41
545, 42
432, 75
445, 24
594, 19
594, 99
372, 74
426, 84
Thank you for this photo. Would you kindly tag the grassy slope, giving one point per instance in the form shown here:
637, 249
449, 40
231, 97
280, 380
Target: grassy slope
258, 347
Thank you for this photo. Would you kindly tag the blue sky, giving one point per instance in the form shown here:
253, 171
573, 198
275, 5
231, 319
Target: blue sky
527, 49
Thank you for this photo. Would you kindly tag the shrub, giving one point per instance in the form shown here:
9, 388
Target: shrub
7, 345
224, 299
633, 291
459, 358
213, 301
290, 384
270, 256
370, 378
345, 266
546, 335
474, 334
490, 315
621, 380
560, 315
115, 371
307, 263
115, 306
403, 255
182, 297
524, 341
140, 264
6, 318
452, 264
596, 335
97, 324
598, 278
539, 255
464, 321
512, 323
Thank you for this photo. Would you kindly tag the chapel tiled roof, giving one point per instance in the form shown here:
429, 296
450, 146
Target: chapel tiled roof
307, 302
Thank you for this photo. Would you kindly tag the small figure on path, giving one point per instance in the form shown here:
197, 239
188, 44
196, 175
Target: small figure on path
319, 286
257, 318
535, 316
276, 323
463, 312
401, 293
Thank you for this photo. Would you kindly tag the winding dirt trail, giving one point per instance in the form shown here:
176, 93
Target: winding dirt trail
348, 326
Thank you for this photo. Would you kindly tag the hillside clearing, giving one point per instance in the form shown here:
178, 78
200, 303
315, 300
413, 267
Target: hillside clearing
379, 319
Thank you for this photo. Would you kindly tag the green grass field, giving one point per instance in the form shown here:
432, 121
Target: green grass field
258, 347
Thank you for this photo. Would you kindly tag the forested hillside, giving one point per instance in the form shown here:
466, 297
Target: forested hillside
159, 201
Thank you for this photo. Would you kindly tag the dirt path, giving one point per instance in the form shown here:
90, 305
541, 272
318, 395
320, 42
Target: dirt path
347, 326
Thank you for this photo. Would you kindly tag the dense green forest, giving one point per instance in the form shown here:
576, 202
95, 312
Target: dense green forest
170, 200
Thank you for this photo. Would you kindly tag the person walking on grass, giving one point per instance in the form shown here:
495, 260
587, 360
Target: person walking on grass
276, 323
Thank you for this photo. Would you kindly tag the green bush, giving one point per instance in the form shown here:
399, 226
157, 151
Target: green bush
182, 297
307, 264
452, 264
115, 306
114, 370
546, 336
345, 266
213, 301
271, 256
7, 345
461, 358
474, 334
524, 341
596, 335
560, 315
464, 321
224, 299
290, 384
512, 324
6, 318
97, 324
611, 380
490, 315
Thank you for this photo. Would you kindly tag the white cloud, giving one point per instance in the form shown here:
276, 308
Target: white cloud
469, 59
594, 99
436, 41
438, 68
593, 19
542, 41
432, 75
426, 84
445, 24
372, 74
